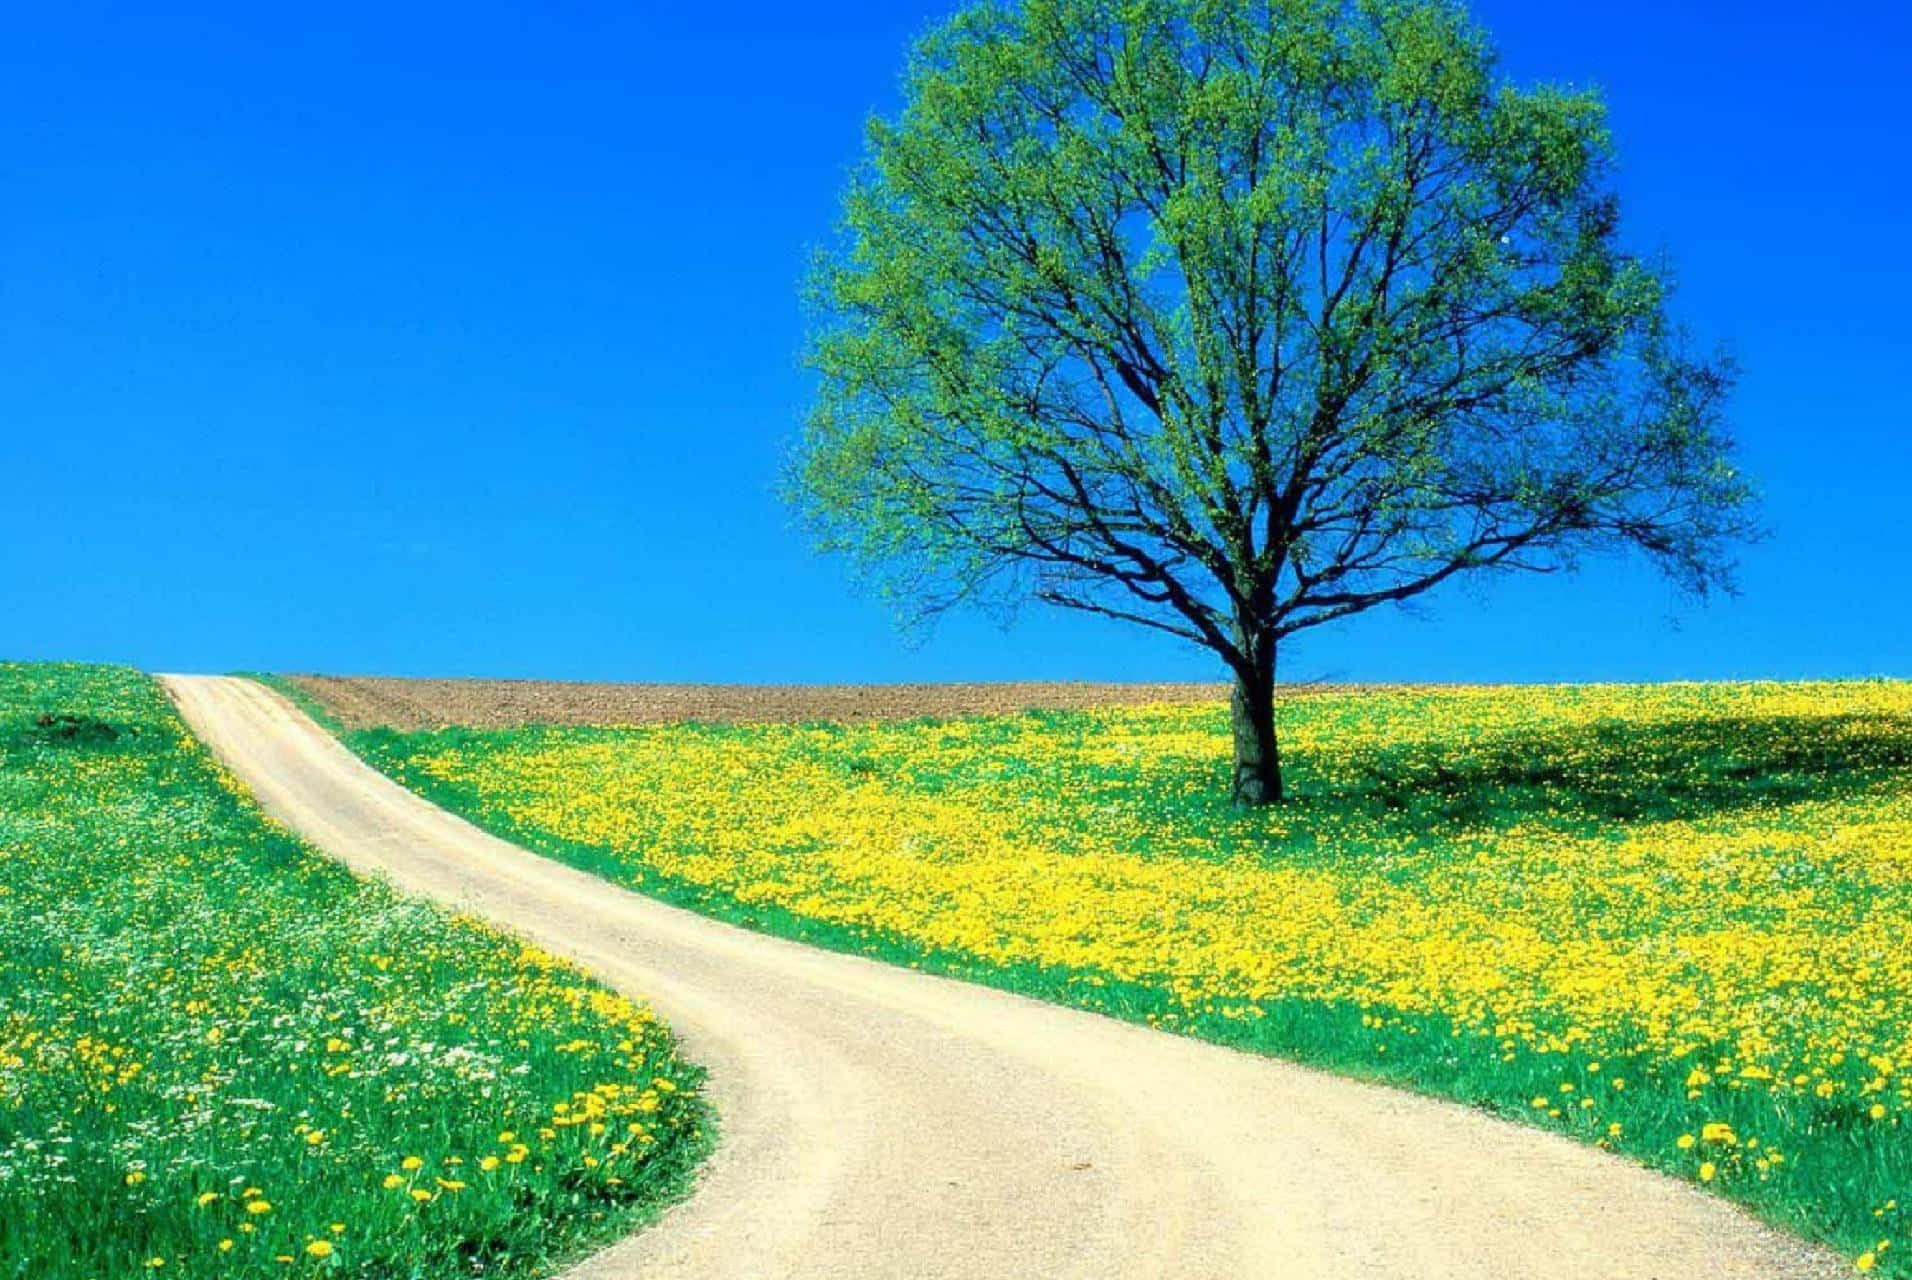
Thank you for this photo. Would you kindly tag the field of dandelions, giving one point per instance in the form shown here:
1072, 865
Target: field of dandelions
1675, 921
223, 1055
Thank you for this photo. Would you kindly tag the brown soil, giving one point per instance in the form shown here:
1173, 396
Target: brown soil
363, 702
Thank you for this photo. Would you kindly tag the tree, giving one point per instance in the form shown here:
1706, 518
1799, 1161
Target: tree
1232, 318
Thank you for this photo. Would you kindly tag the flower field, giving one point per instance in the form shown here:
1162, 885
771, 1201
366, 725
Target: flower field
1673, 920
222, 1055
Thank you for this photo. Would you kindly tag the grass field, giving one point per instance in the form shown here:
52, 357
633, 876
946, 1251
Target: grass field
1671, 920
222, 1055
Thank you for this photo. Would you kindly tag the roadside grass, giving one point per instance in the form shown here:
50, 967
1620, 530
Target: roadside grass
224, 1055
298, 697
1669, 920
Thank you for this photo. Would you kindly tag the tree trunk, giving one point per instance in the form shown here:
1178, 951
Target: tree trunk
1257, 754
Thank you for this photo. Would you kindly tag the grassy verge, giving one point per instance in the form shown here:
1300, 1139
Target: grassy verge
298, 697
221, 1054
1666, 920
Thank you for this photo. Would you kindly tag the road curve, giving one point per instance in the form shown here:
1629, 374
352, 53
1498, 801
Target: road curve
880, 1122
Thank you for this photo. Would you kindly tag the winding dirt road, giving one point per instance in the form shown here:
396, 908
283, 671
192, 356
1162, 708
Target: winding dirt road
879, 1122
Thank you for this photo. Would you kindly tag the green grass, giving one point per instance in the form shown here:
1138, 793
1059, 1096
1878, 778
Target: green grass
1733, 863
294, 693
222, 1054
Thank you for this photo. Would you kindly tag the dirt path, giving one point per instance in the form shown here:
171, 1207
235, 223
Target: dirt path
879, 1122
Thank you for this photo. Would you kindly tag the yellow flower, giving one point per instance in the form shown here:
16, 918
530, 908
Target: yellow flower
411, 1162
319, 1248
420, 1194
315, 1137
1865, 1261
225, 1246
207, 1197
393, 1182
488, 1163
1002, 861
1707, 1170
133, 1179
1878, 1111
258, 1206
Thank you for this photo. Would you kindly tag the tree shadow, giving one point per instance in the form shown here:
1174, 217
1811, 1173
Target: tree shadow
1616, 772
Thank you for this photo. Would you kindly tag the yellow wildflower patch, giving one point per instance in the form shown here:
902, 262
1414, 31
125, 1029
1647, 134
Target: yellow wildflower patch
1692, 896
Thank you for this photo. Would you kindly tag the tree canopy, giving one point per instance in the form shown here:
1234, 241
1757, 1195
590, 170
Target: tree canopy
1231, 318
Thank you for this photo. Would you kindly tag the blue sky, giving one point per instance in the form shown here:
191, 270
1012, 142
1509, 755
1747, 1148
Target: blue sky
465, 340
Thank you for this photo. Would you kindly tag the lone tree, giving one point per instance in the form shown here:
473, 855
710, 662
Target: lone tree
1231, 318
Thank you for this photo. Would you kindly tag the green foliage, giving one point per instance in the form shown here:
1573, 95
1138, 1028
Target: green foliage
1235, 317
209, 1033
